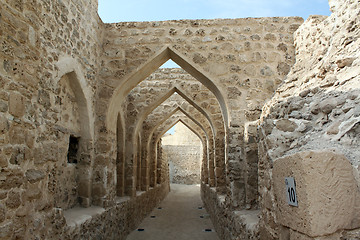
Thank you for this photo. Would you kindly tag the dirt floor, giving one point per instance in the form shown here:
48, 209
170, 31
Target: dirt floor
179, 217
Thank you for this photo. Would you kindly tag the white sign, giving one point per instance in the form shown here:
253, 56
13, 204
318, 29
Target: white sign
291, 191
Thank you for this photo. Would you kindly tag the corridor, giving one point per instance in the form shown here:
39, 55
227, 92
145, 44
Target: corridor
179, 217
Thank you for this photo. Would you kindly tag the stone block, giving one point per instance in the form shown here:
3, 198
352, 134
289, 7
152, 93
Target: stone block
3, 161
286, 125
33, 175
33, 192
13, 200
4, 125
2, 213
16, 105
327, 194
6, 230
11, 179
17, 135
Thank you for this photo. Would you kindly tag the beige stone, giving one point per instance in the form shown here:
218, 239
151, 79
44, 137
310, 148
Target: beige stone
2, 213
13, 200
326, 192
16, 105
34, 175
286, 125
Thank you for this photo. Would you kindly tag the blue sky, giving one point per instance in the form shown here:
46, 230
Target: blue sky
157, 10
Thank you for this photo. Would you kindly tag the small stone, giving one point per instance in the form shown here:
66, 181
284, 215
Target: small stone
44, 98
304, 93
282, 47
314, 108
2, 213
3, 194
333, 129
6, 230
16, 105
345, 62
327, 105
266, 71
13, 200
270, 37
3, 161
33, 175
22, 212
286, 125
198, 58
3, 106
17, 135
33, 192
10, 179
4, 124
283, 68
233, 92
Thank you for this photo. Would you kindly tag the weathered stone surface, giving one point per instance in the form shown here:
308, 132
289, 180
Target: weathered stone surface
325, 78
34, 175
2, 213
11, 179
16, 105
4, 124
326, 192
33, 192
286, 125
13, 200
6, 230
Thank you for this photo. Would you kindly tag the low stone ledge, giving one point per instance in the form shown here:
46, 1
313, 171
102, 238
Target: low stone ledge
139, 193
78, 215
229, 225
119, 200
114, 222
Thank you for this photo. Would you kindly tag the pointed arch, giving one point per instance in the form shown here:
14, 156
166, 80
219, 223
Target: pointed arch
162, 99
152, 165
69, 66
173, 124
149, 67
203, 160
69, 73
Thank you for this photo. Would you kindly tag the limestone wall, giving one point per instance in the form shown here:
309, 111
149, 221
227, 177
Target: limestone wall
241, 61
315, 109
49, 59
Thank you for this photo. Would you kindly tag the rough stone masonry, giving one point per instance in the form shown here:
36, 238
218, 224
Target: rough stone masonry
83, 109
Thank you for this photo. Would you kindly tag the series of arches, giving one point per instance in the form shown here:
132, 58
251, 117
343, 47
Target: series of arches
141, 156
139, 112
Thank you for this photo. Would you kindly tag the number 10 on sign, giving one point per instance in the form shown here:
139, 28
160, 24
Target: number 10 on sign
291, 191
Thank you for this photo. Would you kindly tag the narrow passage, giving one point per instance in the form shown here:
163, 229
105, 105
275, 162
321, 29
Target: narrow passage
179, 217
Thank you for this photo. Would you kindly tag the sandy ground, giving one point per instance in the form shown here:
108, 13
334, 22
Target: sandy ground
179, 217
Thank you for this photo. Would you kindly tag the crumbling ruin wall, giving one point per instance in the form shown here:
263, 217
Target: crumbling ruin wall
313, 120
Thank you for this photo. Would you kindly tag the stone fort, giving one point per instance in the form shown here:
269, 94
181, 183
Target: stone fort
84, 106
